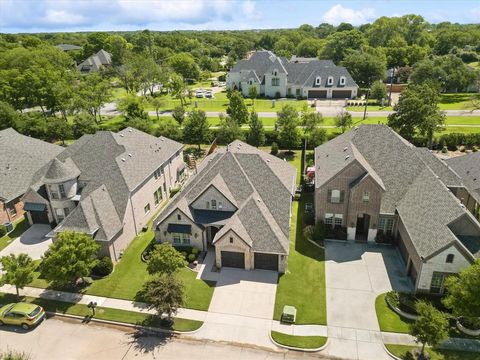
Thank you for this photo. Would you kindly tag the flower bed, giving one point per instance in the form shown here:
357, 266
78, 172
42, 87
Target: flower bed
403, 304
467, 327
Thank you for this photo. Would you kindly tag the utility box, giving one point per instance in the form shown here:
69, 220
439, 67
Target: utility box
289, 314
8, 227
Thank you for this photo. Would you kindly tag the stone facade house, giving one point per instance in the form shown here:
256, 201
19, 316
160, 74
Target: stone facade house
107, 185
239, 203
20, 158
373, 185
275, 77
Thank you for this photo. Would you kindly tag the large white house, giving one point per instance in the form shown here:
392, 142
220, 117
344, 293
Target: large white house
275, 77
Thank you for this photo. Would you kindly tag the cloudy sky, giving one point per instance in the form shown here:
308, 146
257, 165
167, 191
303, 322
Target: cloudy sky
86, 15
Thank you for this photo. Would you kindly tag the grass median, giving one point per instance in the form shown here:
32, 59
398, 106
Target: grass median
301, 342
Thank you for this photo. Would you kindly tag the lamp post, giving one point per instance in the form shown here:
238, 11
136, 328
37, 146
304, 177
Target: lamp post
391, 74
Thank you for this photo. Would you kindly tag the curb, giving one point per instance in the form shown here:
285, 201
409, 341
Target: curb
389, 353
296, 348
119, 323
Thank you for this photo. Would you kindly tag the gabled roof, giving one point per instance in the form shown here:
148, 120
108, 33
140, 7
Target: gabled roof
261, 186
468, 169
95, 62
20, 158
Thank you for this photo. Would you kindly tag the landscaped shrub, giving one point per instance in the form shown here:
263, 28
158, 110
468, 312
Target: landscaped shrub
274, 149
195, 251
184, 254
174, 190
104, 267
319, 232
392, 298
192, 257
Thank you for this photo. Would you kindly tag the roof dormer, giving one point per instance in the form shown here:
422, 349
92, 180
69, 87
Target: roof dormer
318, 81
330, 81
343, 80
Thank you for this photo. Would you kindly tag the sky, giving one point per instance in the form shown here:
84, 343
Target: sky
104, 15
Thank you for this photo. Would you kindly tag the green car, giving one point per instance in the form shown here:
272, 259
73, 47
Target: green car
24, 314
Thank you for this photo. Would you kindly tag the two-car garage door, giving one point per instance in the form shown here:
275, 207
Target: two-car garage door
261, 260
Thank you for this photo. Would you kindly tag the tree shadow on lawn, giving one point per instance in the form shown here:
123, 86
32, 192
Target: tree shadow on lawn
454, 98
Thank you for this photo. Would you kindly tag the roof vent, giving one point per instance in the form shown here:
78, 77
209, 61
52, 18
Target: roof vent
162, 139
259, 200
345, 148
123, 159
355, 128
129, 130
268, 160
347, 157
122, 135
130, 155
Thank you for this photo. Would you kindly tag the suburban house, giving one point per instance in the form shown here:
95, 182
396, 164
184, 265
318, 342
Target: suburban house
107, 185
377, 186
95, 62
239, 203
276, 77
468, 168
20, 158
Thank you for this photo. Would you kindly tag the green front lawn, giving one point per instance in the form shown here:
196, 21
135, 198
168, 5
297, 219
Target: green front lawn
404, 352
302, 342
303, 285
388, 319
103, 313
19, 228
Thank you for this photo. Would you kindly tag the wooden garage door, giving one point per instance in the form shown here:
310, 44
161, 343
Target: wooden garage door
341, 94
233, 259
266, 261
317, 94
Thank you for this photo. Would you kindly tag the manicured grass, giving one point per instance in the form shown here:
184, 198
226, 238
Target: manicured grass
389, 320
19, 228
303, 285
459, 101
405, 352
302, 342
369, 108
463, 120
103, 313
459, 129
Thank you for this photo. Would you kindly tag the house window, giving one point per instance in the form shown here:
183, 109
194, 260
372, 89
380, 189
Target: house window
53, 193
297, 92
231, 240
318, 80
157, 173
343, 80
335, 197
165, 188
250, 82
275, 72
185, 239
338, 219
214, 204
330, 80
275, 82
328, 219
59, 213
436, 286
157, 196
146, 208
366, 196
12, 210
66, 211
179, 217
389, 226
61, 188
176, 239
207, 205
220, 205
450, 258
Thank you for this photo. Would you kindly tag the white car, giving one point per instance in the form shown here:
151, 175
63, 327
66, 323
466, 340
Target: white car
199, 93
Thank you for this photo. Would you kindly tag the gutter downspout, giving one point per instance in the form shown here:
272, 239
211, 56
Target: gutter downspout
133, 214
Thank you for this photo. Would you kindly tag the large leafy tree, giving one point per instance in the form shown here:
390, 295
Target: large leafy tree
196, 129
132, 107
417, 111
229, 130
338, 44
185, 65
83, 123
256, 133
92, 93
237, 109
165, 259
18, 270
431, 326
462, 293
169, 128
70, 257
8, 116
287, 127
178, 88
366, 66
309, 47
165, 294
343, 120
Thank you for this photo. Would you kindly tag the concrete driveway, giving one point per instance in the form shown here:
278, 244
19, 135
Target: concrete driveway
32, 242
355, 275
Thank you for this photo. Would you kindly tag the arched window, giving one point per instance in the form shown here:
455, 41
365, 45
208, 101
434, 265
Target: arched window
343, 80
450, 258
335, 196
330, 80
318, 80
275, 72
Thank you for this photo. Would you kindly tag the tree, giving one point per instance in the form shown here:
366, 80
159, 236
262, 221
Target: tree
286, 125
142, 124
378, 91
343, 120
431, 326
228, 131
165, 259
309, 47
132, 107
417, 111
169, 128
366, 66
178, 114
8, 116
70, 257
317, 137
157, 103
178, 88
92, 93
165, 294
117, 46
32, 124
256, 134
237, 108
252, 93
196, 129
58, 129
338, 44
18, 270
83, 123
462, 293
185, 65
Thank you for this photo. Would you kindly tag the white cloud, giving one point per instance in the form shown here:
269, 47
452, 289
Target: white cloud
63, 17
338, 14
250, 11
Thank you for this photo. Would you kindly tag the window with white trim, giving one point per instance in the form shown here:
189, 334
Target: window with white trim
338, 220
450, 258
157, 196
343, 80
335, 197
53, 192
185, 239
275, 82
318, 80
61, 190
330, 80
59, 213
329, 219
176, 239
366, 196
214, 204
146, 208
220, 205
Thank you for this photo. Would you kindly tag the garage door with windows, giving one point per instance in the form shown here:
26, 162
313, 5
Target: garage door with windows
341, 94
266, 261
317, 94
233, 259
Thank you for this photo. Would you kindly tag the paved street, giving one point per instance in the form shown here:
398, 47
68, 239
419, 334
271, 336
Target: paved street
57, 339
33, 242
355, 275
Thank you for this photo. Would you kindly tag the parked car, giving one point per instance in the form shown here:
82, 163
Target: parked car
209, 94
24, 314
199, 93
308, 207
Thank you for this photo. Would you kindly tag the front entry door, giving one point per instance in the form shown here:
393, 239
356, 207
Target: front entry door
363, 223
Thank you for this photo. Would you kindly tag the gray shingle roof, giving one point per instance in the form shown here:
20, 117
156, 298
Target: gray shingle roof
415, 182
468, 168
261, 185
95, 62
68, 47
20, 158
60, 172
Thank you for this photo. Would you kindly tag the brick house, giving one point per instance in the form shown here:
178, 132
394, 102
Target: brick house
373, 185
107, 185
20, 158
